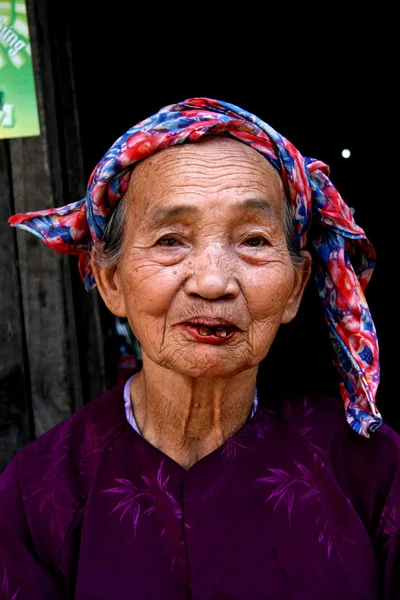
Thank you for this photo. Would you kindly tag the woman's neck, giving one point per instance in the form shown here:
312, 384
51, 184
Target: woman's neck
185, 417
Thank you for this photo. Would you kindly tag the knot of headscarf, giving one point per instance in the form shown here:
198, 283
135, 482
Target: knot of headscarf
344, 258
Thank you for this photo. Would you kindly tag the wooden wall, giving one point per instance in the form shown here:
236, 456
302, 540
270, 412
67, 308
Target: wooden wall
51, 344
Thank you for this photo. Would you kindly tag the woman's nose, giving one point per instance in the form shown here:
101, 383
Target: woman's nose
212, 277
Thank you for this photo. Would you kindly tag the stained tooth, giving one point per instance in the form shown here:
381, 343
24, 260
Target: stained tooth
221, 332
204, 330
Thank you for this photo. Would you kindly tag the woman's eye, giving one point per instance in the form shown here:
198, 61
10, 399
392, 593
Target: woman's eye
168, 242
256, 241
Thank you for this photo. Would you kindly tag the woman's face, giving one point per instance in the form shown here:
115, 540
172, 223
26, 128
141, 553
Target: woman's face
205, 278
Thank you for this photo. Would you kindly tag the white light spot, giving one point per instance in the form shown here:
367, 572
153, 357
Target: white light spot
346, 153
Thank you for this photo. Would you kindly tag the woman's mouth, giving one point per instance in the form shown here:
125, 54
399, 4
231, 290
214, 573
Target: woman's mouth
218, 333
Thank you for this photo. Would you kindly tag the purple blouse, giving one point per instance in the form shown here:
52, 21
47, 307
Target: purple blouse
295, 505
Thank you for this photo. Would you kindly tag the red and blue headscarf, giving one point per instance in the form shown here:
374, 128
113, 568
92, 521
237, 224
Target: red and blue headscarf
343, 256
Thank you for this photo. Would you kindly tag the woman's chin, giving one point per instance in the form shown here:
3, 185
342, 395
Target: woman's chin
206, 364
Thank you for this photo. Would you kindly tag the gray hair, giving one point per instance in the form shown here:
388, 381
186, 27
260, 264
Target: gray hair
107, 252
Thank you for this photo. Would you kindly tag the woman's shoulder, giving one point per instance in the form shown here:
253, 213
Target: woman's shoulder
75, 444
320, 420
367, 469
323, 416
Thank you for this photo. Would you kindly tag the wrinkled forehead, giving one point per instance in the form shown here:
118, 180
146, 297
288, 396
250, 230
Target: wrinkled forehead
210, 167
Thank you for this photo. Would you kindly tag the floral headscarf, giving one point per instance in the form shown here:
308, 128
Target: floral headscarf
343, 256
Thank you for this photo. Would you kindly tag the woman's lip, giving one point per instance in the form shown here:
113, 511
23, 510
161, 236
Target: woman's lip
209, 322
208, 339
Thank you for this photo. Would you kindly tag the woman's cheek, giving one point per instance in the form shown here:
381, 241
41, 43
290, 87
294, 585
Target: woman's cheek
268, 295
151, 288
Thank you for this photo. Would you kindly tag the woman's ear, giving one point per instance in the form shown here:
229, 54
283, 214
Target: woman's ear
302, 274
110, 289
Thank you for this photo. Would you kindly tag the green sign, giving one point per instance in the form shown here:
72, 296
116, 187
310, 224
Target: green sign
18, 107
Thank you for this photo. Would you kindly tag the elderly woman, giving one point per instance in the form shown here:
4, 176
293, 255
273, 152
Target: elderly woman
199, 225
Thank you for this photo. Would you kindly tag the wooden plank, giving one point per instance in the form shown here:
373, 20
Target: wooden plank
14, 379
45, 277
49, 325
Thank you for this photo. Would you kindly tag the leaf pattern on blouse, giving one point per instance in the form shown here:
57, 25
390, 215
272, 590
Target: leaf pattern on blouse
295, 411
263, 425
298, 414
93, 443
388, 531
5, 594
238, 440
231, 446
332, 519
54, 489
158, 500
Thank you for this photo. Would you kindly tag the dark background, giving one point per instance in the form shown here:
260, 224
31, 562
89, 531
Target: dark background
325, 86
